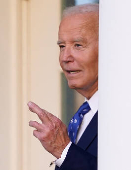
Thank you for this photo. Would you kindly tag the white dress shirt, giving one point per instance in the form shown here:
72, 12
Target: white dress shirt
93, 103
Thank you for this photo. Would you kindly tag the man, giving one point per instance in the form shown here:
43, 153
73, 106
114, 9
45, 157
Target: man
78, 42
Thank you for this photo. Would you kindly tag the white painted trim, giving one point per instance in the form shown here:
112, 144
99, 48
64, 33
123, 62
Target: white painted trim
115, 85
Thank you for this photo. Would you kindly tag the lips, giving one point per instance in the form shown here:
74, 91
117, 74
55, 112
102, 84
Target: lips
73, 72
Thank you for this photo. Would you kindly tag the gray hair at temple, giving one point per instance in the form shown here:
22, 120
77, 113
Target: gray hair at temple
81, 9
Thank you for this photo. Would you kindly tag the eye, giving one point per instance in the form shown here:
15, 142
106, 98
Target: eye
61, 46
78, 45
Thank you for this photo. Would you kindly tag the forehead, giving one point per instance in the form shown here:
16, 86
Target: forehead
77, 25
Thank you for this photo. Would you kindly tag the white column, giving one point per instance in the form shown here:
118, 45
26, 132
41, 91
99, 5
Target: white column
115, 85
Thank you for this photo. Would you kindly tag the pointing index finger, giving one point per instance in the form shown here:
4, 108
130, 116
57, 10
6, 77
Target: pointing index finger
36, 109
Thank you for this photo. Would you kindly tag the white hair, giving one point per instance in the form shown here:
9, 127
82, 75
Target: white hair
81, 9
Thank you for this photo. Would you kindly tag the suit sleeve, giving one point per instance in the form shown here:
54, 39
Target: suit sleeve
78, 159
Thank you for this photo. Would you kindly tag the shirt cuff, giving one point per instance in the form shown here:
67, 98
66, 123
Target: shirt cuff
63, 155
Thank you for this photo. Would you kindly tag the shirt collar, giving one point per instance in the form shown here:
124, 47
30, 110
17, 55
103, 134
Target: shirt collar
93, 102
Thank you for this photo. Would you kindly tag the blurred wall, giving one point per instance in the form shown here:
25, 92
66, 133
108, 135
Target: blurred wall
5, 82
29, 70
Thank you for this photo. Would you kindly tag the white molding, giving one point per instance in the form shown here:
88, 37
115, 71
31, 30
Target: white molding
19, 73
15, 75
26, 131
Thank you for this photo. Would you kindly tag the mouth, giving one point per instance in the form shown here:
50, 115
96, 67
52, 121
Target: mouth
72, 71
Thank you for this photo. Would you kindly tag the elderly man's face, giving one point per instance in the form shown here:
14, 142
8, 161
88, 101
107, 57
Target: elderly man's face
78, 42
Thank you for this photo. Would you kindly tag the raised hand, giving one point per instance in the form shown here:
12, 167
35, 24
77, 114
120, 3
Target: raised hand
52, 132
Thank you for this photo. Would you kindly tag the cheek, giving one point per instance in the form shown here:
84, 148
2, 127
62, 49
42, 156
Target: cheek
91, 61
90, 67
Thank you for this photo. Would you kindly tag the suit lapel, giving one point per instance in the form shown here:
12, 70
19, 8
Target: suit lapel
89, 134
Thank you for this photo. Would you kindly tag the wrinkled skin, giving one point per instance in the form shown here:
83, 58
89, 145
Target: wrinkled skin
78, 42
52, 133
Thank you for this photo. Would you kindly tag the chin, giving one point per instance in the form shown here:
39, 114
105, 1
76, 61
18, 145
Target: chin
73, 85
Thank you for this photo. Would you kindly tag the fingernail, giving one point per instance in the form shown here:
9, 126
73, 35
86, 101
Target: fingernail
29, 103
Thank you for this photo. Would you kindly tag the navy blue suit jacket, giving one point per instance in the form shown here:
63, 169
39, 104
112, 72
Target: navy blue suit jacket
83, 156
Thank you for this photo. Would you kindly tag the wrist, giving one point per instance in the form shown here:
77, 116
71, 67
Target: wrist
59, 161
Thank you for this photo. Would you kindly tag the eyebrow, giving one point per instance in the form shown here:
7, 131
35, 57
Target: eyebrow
80, 40
75, 40
59, 42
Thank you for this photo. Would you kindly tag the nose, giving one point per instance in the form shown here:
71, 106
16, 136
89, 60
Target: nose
66, 55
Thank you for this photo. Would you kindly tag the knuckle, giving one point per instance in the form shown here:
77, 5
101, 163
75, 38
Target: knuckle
44, 136
58, 122
45, 111
35, 107
50, 127
41, 113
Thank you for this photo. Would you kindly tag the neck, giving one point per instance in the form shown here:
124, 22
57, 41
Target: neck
88, 93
